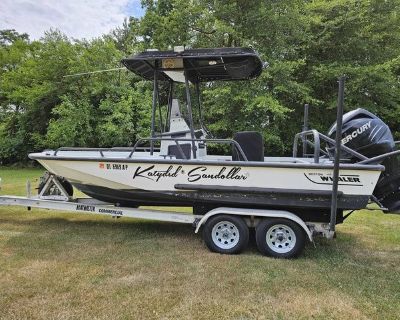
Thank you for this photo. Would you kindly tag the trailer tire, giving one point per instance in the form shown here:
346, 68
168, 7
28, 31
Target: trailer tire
67, 186
280, 238
64, 182
226, 234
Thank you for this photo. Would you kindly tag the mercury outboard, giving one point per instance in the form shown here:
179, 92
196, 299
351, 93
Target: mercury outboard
364, 132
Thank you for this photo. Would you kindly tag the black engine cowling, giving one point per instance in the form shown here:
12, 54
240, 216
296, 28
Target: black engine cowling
367, 134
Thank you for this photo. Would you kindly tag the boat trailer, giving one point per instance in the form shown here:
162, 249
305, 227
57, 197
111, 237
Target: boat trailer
54, 196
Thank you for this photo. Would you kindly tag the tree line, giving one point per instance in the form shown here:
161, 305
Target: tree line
305, 44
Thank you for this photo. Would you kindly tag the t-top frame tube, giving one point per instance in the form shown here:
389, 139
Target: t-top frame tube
153, 111
189, 106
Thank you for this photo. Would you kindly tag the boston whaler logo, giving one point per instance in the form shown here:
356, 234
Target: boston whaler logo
344, 179
192, 175
355, 133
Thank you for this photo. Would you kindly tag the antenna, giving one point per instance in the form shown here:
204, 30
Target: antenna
91, 72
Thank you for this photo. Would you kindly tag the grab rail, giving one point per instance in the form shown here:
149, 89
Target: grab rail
204, 140
303, 135
380, 157
100, 150
317, 145
318, 137
140, 140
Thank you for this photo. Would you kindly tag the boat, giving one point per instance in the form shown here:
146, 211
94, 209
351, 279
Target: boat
173, 167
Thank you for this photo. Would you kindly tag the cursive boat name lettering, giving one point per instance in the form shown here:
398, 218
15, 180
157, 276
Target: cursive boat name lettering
156, 175
193, 175
200, 173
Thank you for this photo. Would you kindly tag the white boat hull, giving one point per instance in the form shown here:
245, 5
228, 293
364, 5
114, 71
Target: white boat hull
163, 177
306, 188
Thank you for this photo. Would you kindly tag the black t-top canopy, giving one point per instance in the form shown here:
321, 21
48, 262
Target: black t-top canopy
200, 65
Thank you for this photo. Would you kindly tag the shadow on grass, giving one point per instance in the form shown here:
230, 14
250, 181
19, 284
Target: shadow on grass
130, 227
56, 239
55, 230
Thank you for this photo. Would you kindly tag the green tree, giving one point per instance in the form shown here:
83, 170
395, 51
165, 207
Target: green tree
362, 40
306, 45
9, 36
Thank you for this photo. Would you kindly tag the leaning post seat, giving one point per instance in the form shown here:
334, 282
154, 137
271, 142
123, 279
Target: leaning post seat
252, 144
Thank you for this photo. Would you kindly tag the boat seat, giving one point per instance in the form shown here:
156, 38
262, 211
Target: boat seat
173, 150
252, 144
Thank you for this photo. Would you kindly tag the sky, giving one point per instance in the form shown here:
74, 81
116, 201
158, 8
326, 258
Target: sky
76, 18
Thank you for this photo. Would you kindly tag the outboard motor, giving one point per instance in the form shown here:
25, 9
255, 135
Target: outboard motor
367, 134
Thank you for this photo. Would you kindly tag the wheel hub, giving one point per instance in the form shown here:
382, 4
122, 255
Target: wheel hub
280, 238
225, 235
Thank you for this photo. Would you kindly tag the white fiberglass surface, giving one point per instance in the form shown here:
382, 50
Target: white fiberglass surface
122, 154
166, 175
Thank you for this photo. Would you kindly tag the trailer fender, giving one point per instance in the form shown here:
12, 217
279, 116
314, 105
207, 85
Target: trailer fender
256, 213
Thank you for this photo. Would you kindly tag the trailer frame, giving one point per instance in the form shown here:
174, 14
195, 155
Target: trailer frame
93, 206
47, 198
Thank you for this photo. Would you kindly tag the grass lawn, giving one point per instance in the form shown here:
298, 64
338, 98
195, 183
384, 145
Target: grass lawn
66, 266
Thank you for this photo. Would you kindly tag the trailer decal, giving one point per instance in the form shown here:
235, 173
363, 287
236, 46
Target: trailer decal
111, 211
84, 207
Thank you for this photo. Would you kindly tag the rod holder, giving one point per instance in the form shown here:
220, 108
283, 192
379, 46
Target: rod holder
335, 184
305, 128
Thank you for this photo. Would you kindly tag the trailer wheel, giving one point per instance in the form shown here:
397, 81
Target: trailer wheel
226, 234
67, 186
65, 183
280, 238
